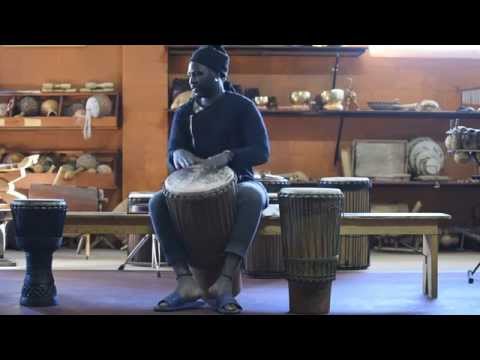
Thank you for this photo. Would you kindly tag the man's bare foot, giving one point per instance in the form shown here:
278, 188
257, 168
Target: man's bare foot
222, 291
187, 291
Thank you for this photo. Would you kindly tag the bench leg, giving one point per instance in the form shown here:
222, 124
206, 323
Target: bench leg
87, 245
430, 266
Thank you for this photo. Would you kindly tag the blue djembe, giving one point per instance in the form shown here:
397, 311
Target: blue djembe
39, 231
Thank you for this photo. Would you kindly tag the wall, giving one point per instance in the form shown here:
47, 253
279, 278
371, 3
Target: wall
294, 140
143, 73
28, 67
145, 86
409, 80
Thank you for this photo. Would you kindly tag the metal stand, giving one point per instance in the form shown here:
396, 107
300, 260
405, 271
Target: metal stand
471, 273
155, 254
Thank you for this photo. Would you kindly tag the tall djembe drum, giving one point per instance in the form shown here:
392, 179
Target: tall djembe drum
354, 250
310, 223
202, 205
264, 258
39, 231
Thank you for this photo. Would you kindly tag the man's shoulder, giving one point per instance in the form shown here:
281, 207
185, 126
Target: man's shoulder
184, 109
240, 99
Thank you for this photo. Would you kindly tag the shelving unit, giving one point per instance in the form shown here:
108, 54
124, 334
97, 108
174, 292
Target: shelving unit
39, 122
278, 50
426, 184
63, 125
361, 114
107, 182
55, 122
286, 137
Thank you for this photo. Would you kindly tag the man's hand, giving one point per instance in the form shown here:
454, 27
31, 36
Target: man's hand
219, 161
183, 159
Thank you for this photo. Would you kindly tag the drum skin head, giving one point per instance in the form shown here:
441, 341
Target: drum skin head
198, 179
311, 192
39, 202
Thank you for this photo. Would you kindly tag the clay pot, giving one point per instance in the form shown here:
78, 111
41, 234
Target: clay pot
4, 110
28, 106
469, 139
104, 169
71, 109
49, 108
99, 105
461, 158
86, 161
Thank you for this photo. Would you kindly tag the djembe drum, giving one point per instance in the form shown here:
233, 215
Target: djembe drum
354, 250
264, 258
310, 226
202, 204
39, 232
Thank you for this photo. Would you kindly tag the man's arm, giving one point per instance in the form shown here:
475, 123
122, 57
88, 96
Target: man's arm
179, 137
257, 149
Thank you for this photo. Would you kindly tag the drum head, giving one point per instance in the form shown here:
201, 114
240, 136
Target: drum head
343, 180
314, 192
39, 202
347, 183
141, 195
198, 179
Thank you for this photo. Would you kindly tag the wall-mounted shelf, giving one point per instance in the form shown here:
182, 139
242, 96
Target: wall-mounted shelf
55, 122
61, 121
278, 50
426, 184
372, 114
101, 181
377, 114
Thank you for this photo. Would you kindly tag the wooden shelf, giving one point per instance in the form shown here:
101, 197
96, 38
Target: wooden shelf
55, 93
370, 114
278, 50
376, 114
55, 122
101, 181
431, 184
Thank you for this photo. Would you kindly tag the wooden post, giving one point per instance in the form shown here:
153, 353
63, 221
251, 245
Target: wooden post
430, 266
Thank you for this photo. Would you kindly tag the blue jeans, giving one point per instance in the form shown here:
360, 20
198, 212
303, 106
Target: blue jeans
252, 199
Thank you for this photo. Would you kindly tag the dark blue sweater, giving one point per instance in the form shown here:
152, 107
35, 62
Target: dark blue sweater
232, 123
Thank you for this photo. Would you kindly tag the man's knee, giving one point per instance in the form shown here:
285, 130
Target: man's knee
157, 202
251, 194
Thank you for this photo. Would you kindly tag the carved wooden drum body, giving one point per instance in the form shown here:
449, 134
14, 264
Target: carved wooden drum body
354, 250
202, 206
39, 232
310, 227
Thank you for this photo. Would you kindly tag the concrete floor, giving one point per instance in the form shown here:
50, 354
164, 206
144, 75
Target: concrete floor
105, 259
391, 286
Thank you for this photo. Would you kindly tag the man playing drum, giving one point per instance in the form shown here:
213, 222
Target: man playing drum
215, 128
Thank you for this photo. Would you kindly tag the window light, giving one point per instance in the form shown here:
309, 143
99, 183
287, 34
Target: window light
426, 51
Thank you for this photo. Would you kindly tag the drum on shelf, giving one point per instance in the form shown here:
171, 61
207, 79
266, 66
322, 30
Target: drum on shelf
39, 231
202, 205
273, 185
264, 258
138, 204
354, 250
310, 227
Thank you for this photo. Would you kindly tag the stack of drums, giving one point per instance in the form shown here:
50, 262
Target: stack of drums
264, 258
273, 187
310, 226
354, 250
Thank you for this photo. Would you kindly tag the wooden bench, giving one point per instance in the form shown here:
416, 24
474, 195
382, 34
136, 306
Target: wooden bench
420, 224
